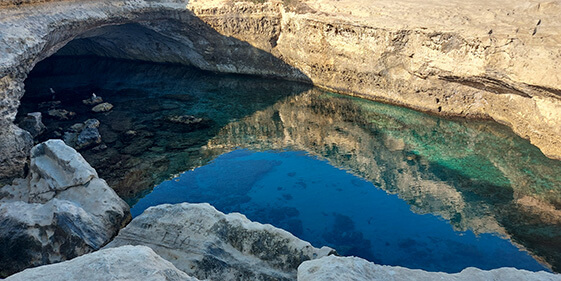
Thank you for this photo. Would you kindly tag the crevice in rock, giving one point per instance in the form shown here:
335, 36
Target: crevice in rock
486, 84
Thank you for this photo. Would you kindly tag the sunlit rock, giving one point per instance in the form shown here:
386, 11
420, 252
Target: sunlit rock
333, 268
208, 244
60, 211
122, 263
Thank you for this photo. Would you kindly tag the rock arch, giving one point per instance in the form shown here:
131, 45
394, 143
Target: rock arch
162, 31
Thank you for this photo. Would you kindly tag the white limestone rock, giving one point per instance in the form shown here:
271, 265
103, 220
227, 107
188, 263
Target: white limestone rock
357, 269
208, 244
122, 263
56, 167
60, 211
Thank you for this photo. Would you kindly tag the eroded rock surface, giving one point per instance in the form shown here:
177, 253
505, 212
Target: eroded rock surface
208, 244
15, 145
60, 211
122, 263
357, 269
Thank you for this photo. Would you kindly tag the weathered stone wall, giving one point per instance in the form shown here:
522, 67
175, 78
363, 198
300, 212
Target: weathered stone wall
445, 73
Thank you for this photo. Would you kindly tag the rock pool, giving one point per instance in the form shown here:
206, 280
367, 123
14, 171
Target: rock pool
385, 183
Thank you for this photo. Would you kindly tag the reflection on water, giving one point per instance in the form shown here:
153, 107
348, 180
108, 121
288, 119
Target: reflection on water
477, 176
328, 206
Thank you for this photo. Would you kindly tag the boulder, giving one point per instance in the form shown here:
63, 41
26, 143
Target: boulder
357, 269
60, 211
33, 124
208, 244
61, 114
122, 263
102, 107
56, 167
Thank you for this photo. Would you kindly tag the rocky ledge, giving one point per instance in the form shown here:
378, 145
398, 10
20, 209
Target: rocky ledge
208, 244
123, 263
187, 240
61, 210
356, 269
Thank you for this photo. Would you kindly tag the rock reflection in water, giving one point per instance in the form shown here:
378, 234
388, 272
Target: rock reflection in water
328, 206
479, 176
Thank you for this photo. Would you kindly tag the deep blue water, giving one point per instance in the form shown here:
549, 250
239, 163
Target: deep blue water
329, 206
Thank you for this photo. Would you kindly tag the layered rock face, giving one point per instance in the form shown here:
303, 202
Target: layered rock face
457, 61
60, 211
495, 60
356, 269
208, 244
122, 263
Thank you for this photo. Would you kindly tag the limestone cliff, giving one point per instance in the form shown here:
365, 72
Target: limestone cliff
490, 60
495, 60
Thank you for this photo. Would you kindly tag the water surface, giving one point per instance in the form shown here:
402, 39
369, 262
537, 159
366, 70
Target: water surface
328, 206
426, 189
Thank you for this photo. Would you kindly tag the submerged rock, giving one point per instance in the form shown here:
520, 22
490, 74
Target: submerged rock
186, 122
94, 99
61, 114
208, 244
102, 107
49, 104
353, 268
122, 263
83, 135
33, 124
184, 119
60, 211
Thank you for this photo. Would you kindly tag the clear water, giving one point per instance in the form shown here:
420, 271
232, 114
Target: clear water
328, 206
386, 183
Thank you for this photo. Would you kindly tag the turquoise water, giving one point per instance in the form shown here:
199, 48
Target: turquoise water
390, 184
329, 206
